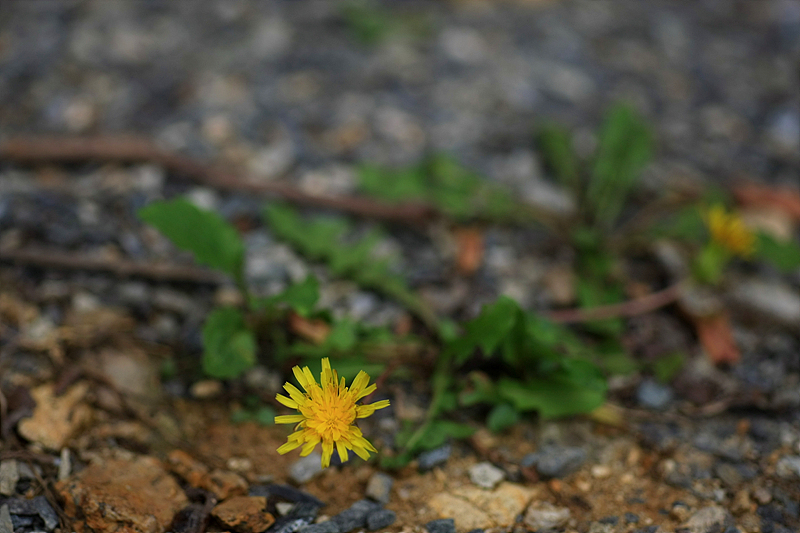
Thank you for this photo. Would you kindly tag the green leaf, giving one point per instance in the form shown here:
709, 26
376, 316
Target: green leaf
556, 148
440, 431
324, 240
578, 388
624, 149
265, 416
211, 239
783, 255
229, 347
501, 417
667, 367
686, 225
301, 297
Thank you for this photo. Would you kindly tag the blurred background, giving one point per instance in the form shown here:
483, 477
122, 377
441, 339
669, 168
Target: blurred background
305, 88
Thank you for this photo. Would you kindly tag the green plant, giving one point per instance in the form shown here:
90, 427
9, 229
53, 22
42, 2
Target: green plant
442, 182
535, 366
330, 241
232, 336
602, 185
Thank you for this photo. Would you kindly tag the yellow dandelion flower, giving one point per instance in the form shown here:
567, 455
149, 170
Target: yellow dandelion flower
328, 411
728, 230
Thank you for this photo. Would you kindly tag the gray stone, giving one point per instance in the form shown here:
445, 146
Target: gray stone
356, 516
788, 466
6, 525
380, 519
486, 475
305, 468
443, 525
709, 519
9, 475
783, 132
543, 515
773, 300
328, 526
379, 487
555, 461
653, 395
436, 457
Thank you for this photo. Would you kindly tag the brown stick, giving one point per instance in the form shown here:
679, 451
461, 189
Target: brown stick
639, 306
53, 258
127, 149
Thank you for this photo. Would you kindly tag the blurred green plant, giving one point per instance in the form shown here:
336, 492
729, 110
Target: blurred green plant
441, 181
532, 365
330, 241
369, 23
602, 184
232, 335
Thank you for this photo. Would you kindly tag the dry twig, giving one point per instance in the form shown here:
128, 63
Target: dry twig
127, 149
59, 259
639, 306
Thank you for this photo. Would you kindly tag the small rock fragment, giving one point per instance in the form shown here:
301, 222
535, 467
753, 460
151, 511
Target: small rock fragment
286, 492
9, 475
328, 526
443, 525
356, 516
56, 418
305, 468
380, 519
64, 464
544, 515
711, 518
137, 496
6, 526
435, 457
653, 395
468, 515
631, 518
486, 475
290, 524
788, 466
379, 487
555, 461
284, 508
246, 514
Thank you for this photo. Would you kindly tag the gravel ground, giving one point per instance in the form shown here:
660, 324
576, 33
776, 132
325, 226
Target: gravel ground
285, 90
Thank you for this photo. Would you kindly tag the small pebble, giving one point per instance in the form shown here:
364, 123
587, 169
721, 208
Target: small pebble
653, 395
6, 525
443, 525
631, 518
284, 508
486, 475
328, 526
555, 461
380, 519
379, 487
9, 475
355, 516
285, 492
436, 457
609, 520
788, 466
305, 468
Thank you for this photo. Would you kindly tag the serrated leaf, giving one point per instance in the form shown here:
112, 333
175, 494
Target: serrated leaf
574, 390
229, 347
501, 417
211, 239
783, 255
624, 149
556, 147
